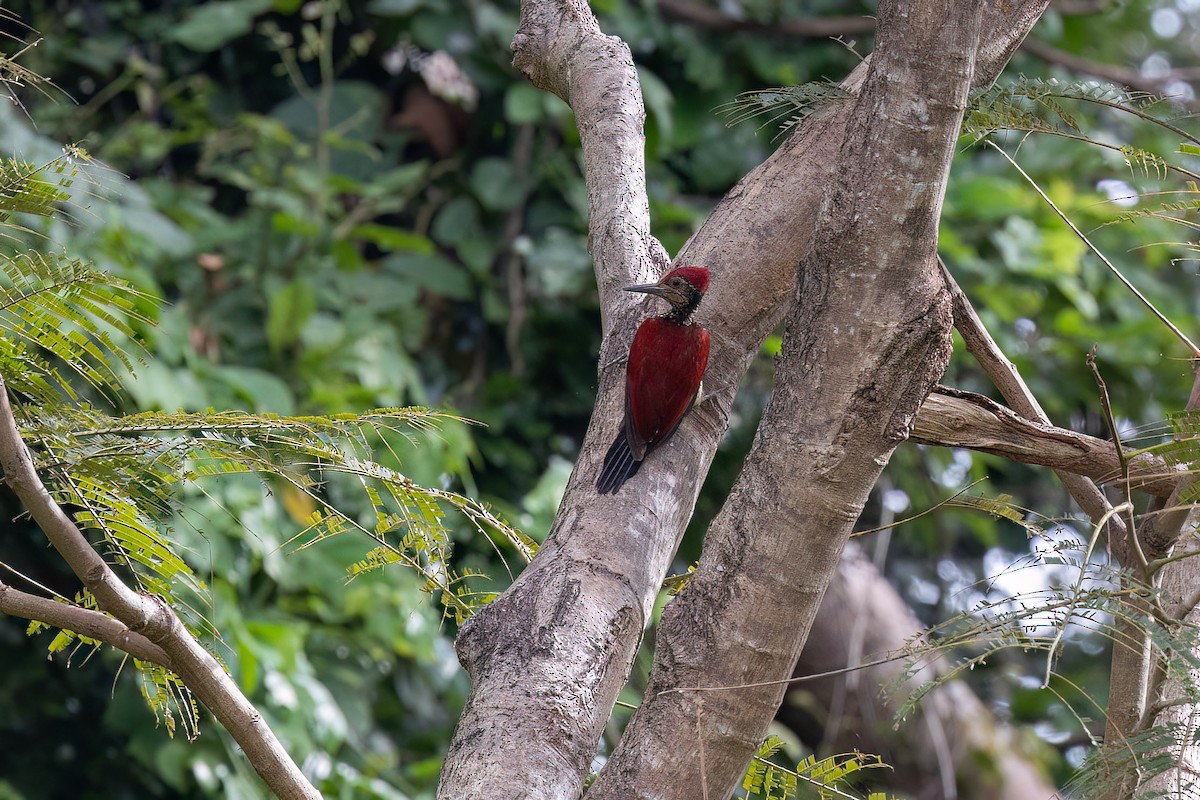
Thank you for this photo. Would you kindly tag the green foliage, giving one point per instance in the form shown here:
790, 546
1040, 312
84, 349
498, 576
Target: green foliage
58, 312
135, 481
828, 778
97, 458
1153, 751
335, 233
1036, 106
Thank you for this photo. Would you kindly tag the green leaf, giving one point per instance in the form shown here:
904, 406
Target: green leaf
261, 391
394, 8
496, 184
659, 101
392, 239
287, 311
456, 221
523, 103
433, 273
215, 23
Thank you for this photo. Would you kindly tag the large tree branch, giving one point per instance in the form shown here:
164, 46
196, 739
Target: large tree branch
866, 340
953, 418
549, 657
151, 617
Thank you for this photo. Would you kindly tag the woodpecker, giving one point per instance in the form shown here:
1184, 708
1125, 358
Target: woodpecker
663, 378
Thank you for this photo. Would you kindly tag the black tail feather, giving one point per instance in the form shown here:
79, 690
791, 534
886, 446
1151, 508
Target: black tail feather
619, 466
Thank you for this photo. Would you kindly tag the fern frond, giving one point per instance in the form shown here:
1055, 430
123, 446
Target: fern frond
23, 190
1153, 752
123, 472
1176, 212
58, 309
169, 698
1001, 507
791, 104
1049, 94
830, 777
1036, 106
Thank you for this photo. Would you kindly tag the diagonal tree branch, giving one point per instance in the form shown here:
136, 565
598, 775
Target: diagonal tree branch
151, 617
550, 655
866, 339
1016, 392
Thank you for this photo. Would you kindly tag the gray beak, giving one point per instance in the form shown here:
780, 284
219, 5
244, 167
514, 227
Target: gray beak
656, 289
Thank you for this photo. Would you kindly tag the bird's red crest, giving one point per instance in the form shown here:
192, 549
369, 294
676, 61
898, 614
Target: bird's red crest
696, 276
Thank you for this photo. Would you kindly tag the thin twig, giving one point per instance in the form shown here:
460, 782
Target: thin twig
1106, 405
1195, 351
1060, 631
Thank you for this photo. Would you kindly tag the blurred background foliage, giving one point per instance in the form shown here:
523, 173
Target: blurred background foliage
349, 204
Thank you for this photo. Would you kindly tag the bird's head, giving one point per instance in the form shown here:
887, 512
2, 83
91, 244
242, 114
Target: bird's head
682, 287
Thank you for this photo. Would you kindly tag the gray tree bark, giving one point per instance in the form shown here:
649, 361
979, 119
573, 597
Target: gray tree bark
548, 658
1154, 681
867, 338
1173, 709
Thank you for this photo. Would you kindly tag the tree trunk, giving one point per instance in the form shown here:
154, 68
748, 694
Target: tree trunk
867, 338
548, 658
1179, 717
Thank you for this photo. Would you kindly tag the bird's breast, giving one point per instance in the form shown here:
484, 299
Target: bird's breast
666, 365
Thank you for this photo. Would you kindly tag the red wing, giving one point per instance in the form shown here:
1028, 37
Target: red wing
666, 365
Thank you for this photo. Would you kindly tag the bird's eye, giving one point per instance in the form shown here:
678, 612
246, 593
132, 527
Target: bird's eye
677, 281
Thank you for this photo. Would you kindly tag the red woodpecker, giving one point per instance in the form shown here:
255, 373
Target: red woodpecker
664, 376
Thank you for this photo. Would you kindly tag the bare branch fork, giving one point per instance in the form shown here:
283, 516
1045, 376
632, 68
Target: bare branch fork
954, 418
151, 627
